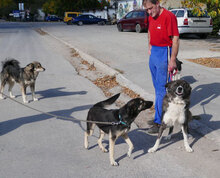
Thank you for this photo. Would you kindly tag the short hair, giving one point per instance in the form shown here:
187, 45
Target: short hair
152, 1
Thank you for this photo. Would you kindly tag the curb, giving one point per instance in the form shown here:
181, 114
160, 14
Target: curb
196, 125
108, 70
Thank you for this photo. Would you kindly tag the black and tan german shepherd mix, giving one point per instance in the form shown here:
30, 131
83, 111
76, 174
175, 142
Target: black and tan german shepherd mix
123, 117
12, 72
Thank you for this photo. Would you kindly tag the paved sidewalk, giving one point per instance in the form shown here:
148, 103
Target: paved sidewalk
204, 81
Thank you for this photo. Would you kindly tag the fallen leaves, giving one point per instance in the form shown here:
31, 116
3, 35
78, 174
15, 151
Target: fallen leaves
209, 62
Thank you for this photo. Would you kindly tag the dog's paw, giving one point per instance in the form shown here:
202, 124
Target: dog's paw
168, 137
35, 99
25, 101
189, 150
113, 163
152, 150
189, 136
12, 96
104, 150
86, 145
129, 152
2, 97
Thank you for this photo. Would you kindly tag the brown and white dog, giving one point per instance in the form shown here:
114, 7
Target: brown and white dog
12, 72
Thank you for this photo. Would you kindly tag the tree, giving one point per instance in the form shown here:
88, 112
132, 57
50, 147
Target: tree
60, 6
6, 7
212, 6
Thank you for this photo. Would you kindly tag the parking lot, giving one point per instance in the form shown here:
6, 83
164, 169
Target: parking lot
36, 145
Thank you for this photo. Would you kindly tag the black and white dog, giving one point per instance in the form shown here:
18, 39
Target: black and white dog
175, 111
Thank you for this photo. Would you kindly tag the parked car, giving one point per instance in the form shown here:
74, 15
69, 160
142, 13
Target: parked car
68, 16
53, 18
135, 20
88, 19
192, 23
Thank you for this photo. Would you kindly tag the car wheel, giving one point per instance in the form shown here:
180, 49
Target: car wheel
80, 23
120, 29
138, 28
101, 23
69, 22
203, 36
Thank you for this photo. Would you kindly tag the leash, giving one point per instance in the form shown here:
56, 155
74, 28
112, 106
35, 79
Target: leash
61, 117
170, 74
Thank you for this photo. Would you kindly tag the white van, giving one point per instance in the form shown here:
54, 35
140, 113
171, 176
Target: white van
191, 23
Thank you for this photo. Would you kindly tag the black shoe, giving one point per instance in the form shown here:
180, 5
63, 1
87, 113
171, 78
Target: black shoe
154, 129
151, 122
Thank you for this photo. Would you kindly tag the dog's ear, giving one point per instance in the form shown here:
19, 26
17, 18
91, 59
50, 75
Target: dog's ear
29, 67
189, 89
168, 84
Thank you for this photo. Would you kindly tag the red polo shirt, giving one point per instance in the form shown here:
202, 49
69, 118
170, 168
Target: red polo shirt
162, 28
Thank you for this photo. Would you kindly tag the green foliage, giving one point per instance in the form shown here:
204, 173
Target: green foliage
60, 6
51, 6
6, 7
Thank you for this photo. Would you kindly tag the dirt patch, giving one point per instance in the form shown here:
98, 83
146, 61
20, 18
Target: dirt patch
208, 62
105, 83
41, 32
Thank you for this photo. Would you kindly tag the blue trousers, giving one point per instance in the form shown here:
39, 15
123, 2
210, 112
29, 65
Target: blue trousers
158, 64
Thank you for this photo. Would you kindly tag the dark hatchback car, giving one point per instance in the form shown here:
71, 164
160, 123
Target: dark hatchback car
53, 18
135, 20
88, 19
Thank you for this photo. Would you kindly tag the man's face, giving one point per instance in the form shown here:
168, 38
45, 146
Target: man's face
152, 9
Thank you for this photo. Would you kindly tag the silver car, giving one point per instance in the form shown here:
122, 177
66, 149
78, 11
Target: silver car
194, 24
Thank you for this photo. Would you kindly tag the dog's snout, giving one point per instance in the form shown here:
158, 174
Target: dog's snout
179, 90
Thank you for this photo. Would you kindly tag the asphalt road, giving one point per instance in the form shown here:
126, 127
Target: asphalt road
127, 52
33, 144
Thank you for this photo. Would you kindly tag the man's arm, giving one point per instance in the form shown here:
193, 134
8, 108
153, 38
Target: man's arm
175, 49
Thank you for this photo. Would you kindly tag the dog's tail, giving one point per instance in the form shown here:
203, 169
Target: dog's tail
11, 67
108, 101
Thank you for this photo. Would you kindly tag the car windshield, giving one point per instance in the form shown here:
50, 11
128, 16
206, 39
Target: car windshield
129, 15
141, 14
191, 14
174, 12
180, 13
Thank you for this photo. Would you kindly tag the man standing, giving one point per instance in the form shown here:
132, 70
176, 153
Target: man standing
163, 38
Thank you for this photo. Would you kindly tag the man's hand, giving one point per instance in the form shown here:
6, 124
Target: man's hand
172, 65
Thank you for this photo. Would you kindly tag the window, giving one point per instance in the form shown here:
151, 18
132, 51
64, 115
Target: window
141, 14
71, 15
174, 12
84, 16
129, 15
135, 15
180, 13
191, 14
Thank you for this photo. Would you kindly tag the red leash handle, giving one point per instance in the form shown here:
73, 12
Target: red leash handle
172, 74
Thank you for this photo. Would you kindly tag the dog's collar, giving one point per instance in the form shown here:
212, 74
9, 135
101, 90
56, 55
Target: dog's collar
122, 122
